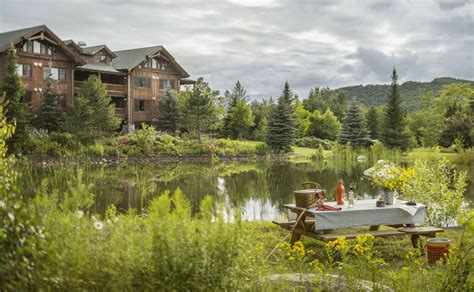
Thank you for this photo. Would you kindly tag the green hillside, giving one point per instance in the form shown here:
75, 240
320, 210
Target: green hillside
411, 91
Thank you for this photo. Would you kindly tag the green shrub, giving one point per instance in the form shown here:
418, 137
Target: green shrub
440, 187
168, 145
144, 138
313, 142
66, 140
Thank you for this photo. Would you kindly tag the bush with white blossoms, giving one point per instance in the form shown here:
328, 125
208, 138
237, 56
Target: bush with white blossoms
440, 187
388, 175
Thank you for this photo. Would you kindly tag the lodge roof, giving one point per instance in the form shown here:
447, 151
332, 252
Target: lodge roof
11, 37
92, 50
16, 36
129, 59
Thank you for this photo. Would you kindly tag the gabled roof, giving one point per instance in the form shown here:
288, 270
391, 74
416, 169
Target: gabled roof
72, 44
9, 37
129, 59
14, 37
92, 50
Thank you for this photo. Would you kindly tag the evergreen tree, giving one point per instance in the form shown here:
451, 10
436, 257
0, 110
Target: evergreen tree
13, 90
231, 99
394, 134
92, 115
199, 111
372, 122
353, 129
242, 119
168, 107
281, 127
50, 115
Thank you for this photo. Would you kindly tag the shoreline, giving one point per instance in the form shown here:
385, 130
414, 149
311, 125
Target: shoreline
159, 159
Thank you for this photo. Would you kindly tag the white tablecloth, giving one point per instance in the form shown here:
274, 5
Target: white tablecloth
365, 213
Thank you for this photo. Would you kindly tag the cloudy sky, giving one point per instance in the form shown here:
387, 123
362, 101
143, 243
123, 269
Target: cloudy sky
262, 43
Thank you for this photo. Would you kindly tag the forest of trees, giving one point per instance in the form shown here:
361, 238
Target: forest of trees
199, 111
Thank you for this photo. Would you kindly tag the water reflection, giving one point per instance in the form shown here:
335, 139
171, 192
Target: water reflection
257, 189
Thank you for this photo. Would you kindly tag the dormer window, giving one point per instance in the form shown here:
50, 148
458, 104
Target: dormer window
100, 58
37, 48
155, 64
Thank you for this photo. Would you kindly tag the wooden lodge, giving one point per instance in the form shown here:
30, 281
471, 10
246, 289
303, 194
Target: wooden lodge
135, 78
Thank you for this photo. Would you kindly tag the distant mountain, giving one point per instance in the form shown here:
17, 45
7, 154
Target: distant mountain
410, 91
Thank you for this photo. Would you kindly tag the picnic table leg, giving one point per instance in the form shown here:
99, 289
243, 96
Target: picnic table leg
415, 238
374, 228
295, 236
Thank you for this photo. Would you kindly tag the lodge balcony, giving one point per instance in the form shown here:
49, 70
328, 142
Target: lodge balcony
121, 112
113, 89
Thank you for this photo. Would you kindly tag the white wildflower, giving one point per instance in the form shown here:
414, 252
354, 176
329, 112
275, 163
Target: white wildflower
93, 218
109, 221
2, 204
98, 225
115, 219
79, 213
12, 217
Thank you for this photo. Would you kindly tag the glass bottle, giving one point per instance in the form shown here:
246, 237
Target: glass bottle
350, 199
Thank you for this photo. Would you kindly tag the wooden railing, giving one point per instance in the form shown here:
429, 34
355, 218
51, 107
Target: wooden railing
110, 87
120, 111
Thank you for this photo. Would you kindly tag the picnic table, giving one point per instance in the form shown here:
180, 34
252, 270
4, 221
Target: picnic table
320, 225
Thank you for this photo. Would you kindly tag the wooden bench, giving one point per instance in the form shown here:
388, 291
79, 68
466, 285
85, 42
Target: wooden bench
327, 236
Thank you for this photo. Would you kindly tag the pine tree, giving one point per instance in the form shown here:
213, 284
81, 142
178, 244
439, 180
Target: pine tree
353, 129
50, 114
394, 133
13, 90
372, 122
198, 108
231, 99
168, 108
92, 115
281, 127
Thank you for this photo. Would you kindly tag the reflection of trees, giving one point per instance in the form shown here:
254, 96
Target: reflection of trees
133, 186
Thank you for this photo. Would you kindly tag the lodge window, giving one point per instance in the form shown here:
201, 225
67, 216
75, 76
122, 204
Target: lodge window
155, 64
99, 58
141, 105
119, 102
27, 97
37, 47
55, 73
23, 70
166, 84
142, 82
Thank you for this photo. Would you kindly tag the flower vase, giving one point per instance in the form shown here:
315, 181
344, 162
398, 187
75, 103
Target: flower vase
388, 195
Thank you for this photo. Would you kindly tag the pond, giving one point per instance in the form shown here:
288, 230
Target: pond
255, 188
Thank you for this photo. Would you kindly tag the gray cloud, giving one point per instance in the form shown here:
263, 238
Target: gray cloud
262, 43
